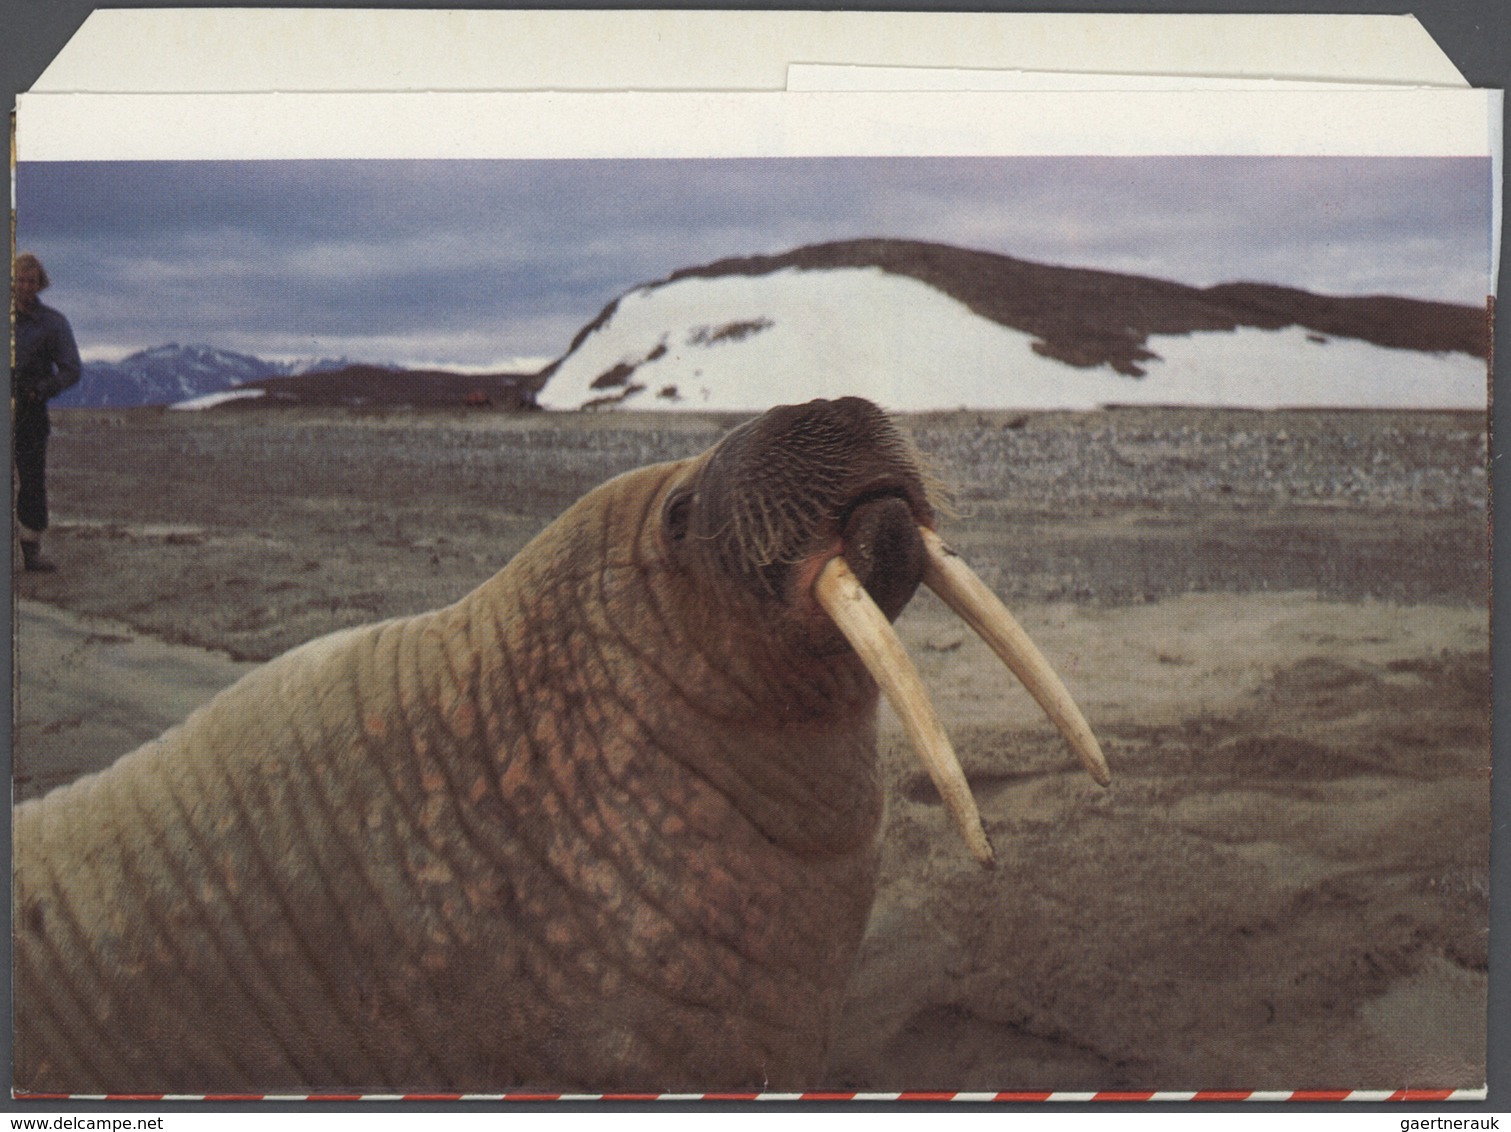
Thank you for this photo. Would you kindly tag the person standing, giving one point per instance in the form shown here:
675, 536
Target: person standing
45, 361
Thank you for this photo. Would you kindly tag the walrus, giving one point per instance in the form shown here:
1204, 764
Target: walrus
610, 822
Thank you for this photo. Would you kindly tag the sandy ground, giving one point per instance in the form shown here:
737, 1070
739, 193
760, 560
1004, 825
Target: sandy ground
1285, 887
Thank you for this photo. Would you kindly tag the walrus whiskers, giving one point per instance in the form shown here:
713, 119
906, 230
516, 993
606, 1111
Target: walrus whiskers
866, 627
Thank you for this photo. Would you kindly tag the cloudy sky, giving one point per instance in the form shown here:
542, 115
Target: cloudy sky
480, 263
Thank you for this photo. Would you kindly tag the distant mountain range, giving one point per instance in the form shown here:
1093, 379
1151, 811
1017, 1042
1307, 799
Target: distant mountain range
196, 376
164, 375
915, 325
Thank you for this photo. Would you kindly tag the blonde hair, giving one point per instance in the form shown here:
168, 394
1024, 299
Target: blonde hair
26, 259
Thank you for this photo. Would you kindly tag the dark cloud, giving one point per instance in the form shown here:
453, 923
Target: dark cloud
470, 262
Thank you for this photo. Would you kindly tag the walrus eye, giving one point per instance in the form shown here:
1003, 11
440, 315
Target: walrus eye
676, 514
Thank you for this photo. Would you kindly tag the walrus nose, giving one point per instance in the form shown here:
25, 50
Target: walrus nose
883, 548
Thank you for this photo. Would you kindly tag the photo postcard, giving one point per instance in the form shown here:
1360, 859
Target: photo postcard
513, 594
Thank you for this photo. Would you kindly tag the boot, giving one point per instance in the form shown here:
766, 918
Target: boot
31, 557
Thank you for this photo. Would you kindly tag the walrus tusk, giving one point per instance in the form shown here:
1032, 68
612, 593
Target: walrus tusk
965, 593
867, 629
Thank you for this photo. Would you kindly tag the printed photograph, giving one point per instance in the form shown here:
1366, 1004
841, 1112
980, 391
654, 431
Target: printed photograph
542, 626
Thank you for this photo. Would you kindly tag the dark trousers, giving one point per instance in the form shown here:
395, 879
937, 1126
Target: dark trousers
30, 453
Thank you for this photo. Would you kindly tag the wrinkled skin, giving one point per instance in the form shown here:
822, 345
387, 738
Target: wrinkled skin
609, 822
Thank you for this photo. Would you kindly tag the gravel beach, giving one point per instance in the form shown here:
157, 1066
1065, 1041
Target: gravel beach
1277, 622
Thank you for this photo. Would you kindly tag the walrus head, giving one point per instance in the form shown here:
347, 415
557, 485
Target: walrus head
781, 495
821, 513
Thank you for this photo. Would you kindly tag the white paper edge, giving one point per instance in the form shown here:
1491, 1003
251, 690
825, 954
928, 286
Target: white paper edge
1497, 146
70, 127
310, 49
837, 77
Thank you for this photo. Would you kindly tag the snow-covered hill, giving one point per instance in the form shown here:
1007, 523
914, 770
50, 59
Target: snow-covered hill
970, 330
914, 326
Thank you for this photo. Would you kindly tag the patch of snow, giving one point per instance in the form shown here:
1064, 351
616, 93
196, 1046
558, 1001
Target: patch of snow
516, 363
1290, 368
210, 400
104, 352
910, 347
296, 367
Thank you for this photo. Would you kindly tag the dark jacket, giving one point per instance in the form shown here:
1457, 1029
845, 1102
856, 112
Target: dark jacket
47, 358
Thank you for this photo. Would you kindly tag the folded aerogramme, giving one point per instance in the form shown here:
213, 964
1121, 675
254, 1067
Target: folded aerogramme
517, 514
